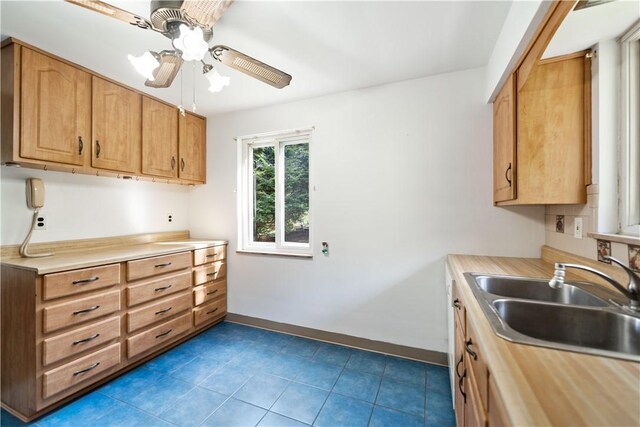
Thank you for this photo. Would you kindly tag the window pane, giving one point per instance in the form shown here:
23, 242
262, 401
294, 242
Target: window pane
296, 193
264, 194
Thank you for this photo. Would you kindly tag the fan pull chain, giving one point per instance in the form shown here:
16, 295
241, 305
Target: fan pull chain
193, 107
180, 107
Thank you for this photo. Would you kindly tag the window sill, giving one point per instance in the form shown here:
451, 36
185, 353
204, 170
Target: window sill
618, 238
272, 253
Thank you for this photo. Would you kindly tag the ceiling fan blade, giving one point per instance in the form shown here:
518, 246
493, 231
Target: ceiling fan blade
170, 63
250, 66
114, 12
205, 12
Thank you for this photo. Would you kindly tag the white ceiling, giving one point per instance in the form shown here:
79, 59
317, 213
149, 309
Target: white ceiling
327, 46
583, 28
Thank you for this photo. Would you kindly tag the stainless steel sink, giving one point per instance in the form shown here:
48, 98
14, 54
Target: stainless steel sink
580, 317
571, 326
538, 290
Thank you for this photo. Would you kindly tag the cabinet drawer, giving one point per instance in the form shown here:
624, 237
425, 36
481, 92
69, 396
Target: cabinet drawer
81, 370
215, 253
474, 412
475, 364
209, 273
80, 310
147, 267
209, 312
153, 337
205, 293
81, 339
138, 294
76, 281
163, 309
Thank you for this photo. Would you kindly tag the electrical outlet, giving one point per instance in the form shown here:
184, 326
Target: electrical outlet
41, 222
170, 217
577, 227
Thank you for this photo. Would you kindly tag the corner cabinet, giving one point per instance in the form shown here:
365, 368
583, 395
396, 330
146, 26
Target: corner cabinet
59, 116
67, 332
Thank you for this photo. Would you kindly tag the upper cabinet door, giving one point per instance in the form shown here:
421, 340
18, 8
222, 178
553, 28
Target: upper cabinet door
56, 110
159, 139
192, 148
117, 127
504, 143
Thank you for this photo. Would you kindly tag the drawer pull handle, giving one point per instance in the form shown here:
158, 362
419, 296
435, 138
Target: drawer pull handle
163, 311
164, 333
471, 352
212, 311
456, 304
80, 145
166, 264
211, 255
86, 310
85, 281
82, 371
162, 288
91, 338
212, 274
506, 175
464, 395
458, 365
212, 292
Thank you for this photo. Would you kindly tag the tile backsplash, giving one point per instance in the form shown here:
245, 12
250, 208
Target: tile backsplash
559, 232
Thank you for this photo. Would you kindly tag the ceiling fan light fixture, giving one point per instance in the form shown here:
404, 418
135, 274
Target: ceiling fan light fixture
191, 43
216, 81
145, 64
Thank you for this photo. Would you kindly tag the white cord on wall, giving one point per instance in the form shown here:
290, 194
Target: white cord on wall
23, 248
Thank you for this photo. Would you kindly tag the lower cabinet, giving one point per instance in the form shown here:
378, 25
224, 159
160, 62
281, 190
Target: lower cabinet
476, 400
64, 332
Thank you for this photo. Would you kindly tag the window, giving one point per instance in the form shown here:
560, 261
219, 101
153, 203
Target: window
629, 182
274, 201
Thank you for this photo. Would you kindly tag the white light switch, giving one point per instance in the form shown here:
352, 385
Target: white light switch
577, 228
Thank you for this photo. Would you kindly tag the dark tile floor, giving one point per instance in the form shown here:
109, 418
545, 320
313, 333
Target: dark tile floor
234, 375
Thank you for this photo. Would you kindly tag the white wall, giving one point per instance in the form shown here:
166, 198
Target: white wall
83, 206
518, 29
403, 177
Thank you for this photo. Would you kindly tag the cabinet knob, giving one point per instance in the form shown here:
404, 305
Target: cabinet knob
80, 146
507, 175
97, 149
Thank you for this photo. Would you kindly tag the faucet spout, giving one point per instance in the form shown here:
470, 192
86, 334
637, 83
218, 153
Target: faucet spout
630, 291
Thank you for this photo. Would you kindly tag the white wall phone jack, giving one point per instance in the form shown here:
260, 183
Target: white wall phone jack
35, 201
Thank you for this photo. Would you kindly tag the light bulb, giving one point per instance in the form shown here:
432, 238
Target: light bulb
191, 43
216, 81
145, 64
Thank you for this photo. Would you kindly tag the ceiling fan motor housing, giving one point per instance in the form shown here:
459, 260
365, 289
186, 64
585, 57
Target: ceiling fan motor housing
167, 16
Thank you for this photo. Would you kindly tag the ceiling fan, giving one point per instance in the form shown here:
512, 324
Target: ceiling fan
189, 26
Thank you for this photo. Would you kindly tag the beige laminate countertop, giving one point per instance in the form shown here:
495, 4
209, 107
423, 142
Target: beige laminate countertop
89, 258
541, 386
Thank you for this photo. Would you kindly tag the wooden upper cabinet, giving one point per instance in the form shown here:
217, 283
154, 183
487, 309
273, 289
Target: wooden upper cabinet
117, 127
551, 115
159, 139
504, 141
55, 116
192, 148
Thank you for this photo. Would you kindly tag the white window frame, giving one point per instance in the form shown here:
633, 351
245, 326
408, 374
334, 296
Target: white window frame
629, 218
245, 194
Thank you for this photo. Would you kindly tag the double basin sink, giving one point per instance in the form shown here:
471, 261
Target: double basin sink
580, 316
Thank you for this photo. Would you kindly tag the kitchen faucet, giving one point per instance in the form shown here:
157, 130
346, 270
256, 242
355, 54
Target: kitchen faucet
631, 291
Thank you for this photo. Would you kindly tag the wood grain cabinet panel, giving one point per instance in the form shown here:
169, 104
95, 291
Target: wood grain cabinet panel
144, 292
81, 370
80, 310
210, 312
117, 127
209, 272
202, 294
158, 335
159, 138
148, 267
158, 311
55, 117
504, 141
79, 340
192, 148
73, 282
205, 255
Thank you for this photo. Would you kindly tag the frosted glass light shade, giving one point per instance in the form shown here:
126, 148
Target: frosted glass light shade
191, 43
216, 81
145, 64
